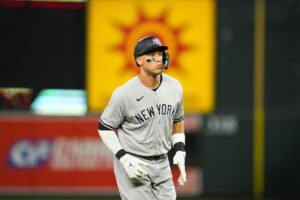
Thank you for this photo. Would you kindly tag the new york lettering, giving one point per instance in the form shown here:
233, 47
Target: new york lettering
152, 111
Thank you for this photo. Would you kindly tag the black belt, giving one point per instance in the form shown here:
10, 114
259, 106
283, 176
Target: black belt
157, 157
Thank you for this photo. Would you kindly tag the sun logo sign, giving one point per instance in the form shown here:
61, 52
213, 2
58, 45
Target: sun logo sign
187, 27
155, 26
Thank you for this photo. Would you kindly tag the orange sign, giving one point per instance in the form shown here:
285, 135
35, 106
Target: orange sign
186, 27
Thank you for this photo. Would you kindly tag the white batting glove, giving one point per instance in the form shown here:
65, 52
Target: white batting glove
179, 160
132, 166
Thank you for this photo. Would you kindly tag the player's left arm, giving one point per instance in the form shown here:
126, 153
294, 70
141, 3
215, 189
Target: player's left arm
178, 127
178, 143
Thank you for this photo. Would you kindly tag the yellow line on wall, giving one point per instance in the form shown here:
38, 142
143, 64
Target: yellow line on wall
259, 115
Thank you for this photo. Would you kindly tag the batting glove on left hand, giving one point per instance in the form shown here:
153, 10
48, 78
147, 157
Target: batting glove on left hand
179, 160
132, 166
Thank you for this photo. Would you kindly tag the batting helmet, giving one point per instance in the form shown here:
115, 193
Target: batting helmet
148, 44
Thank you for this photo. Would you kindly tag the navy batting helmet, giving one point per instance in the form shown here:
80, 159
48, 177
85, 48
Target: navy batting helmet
148, 44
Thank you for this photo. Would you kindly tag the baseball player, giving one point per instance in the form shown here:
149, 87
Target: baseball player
147, 114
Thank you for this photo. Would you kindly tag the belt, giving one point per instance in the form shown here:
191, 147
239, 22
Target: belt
156, 157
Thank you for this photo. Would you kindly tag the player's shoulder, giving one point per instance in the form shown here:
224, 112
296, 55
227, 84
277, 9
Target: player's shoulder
126, 87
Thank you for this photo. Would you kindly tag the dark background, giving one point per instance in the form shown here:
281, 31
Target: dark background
42, 47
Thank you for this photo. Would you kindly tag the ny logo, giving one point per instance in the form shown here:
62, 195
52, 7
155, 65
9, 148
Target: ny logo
156, 41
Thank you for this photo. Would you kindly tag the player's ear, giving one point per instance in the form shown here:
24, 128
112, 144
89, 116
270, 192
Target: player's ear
139, 61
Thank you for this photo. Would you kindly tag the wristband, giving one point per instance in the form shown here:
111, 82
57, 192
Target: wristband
120, 153
178, 141
179, 146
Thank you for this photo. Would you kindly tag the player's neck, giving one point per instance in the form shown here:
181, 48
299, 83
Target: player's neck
150, 81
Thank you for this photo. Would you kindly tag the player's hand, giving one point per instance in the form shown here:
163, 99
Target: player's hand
132, 166
179, 160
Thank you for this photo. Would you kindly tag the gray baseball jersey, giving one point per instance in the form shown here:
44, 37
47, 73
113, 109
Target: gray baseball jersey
143, 117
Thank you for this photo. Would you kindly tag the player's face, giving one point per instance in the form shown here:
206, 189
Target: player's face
152, 63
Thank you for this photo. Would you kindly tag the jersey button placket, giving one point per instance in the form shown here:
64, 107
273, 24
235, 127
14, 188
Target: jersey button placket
158, 119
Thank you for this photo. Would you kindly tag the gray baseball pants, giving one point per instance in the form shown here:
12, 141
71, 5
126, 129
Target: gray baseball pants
158, 185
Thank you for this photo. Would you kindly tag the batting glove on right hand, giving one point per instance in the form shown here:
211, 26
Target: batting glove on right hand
132, 167
179, 160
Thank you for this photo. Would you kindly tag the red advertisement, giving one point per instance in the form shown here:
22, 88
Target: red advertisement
48, 155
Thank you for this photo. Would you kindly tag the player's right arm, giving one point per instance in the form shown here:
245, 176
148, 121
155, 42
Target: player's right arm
111, 118
131, 164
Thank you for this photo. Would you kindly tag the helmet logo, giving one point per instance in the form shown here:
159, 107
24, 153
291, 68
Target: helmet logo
156, 41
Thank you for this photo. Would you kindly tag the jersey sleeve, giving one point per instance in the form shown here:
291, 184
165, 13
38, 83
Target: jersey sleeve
113, 115
179, 114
